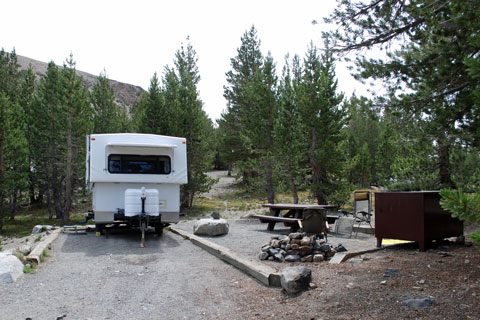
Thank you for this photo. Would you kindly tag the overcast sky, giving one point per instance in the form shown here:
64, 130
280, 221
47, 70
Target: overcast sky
133, 39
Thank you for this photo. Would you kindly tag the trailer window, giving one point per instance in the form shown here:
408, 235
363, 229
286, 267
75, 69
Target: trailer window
138, 164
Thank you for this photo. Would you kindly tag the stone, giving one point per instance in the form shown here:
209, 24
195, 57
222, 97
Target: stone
292, 258
273, 252
419, 303
305, 241
25, 249
391, 273
271, 258
283, 252
325, 247
279, 257
292, 252
355, 260
295, 241
460, 240
318, 258
263, 255
41, 228
330, 253
295, 279
275, 243
215, 215
295, 235
305, 251
284, 239
294, 246
11, 268
308, 258
210, 227
266, 248
288, 247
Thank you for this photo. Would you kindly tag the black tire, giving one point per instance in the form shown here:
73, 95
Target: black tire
100, 228
159, 229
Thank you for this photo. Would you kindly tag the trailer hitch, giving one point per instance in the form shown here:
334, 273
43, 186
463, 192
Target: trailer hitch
143, 223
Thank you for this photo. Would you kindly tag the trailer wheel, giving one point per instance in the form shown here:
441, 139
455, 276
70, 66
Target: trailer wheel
159, 229
99, 229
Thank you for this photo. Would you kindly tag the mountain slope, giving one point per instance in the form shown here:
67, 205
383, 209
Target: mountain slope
125, 94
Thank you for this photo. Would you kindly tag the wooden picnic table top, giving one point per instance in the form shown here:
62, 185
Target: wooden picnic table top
293, 206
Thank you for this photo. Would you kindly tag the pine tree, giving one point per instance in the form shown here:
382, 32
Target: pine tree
78, 124
432, 50
246, 68
48, 127
13, 164
195, 125
287, 130
176, 109
27, 100
107, 116
361, 141
323, 119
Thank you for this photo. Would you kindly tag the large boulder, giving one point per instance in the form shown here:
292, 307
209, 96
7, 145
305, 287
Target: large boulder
41, 228
295, 279
11, 268
210, 227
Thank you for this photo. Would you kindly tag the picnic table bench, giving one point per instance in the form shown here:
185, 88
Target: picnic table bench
295, 215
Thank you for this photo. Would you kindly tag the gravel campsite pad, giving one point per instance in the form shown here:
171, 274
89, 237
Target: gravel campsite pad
88, 277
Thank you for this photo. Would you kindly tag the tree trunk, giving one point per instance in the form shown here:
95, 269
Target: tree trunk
269, 181
68, 178
444, 165
2, 137
13, 205
315, 171
291, 179
49, 204
54, 184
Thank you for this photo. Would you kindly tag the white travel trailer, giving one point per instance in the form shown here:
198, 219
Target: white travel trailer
135, 179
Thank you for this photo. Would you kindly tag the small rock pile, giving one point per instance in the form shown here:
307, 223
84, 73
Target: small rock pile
296, 247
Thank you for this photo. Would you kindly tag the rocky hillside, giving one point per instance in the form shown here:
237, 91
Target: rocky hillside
125, 94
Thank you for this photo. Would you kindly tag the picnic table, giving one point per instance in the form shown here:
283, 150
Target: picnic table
295, 215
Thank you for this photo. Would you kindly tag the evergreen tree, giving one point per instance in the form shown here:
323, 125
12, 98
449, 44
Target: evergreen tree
288, 131
78, 125
361, 142
323, 119
13, 165
152, 105
48, 128
15, 172
246, 68
107, 116
430, 69
27, 100
195, 125
258, 123
175, 109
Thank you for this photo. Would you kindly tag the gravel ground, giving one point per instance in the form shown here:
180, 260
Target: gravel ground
90, 277
247, 236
